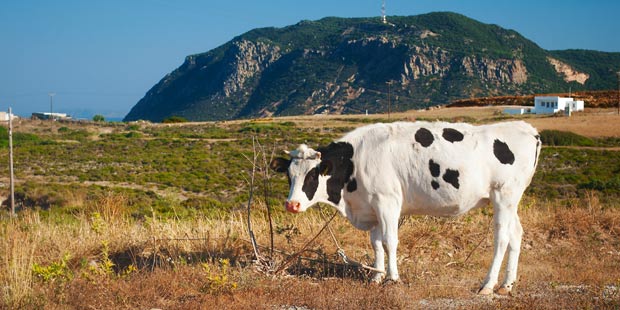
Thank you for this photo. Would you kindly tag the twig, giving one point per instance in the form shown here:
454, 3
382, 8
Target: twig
344, 257
266, 191
250, 231
180, 239
294, 256
479, 243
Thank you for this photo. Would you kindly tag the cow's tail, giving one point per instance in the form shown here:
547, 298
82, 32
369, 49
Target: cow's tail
538, 147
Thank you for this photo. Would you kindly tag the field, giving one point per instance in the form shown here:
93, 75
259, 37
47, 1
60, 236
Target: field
141, 216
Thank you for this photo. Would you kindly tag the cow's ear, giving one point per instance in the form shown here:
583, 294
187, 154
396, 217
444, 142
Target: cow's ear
326, 167
280, 164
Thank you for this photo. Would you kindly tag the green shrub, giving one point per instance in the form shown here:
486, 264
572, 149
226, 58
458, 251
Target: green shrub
175, 119
19, 138
54, 271
564, 138
98, 118
133, 134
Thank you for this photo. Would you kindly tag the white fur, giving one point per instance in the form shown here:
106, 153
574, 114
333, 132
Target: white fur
393, 179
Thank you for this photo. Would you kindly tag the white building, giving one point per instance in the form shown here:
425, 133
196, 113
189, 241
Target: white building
48, 115
555, 104
549, 105
4, 116
518, 111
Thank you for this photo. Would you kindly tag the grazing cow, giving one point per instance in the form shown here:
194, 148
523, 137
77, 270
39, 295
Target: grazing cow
378, 173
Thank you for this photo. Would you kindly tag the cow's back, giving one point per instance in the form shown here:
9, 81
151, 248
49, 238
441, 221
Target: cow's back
440, 168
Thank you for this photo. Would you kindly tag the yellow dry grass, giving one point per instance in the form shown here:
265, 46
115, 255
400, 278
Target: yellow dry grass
571, 257
596, 123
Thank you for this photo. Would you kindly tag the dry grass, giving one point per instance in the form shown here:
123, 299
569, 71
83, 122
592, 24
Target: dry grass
571, 258
16, 279
593, 123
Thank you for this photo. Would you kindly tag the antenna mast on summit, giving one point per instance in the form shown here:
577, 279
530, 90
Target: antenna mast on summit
383, 19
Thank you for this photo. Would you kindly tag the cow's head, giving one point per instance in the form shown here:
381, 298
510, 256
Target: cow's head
315, 176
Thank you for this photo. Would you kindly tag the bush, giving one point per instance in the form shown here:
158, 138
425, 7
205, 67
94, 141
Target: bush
98, 118
19, 138
564, 138
175, 119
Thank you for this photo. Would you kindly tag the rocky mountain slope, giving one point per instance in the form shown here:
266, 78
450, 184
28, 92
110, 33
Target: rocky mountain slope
353, 65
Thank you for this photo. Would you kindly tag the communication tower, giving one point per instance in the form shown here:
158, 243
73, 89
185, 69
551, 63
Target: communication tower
383, 19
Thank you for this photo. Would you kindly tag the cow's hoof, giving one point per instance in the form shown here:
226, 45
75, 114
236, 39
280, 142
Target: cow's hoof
485, 291
377, 279
504, 291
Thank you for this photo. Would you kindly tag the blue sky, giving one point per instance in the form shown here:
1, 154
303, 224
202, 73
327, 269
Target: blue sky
101, 57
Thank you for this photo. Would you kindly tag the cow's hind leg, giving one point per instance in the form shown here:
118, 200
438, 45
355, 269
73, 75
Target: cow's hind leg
514, 249
377, 246
508, 233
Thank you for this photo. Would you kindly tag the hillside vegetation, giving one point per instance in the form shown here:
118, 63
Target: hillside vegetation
343, 66
141, 215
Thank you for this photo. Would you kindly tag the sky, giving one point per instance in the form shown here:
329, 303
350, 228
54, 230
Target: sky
101, 57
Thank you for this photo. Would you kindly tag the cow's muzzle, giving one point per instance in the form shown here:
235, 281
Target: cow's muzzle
293, 206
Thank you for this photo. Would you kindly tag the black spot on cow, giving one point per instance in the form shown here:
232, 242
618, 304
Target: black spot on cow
336, 162
352, 186
452, 177
311, 183
280, 164
424, 137
452, 135
503, 153
434, 168
435, 185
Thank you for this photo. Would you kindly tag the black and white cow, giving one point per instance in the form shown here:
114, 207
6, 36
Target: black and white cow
377, 173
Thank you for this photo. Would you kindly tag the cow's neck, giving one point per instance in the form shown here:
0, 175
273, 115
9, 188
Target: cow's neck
340, 205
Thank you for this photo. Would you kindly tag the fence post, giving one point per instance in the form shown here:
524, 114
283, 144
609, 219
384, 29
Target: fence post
12, 176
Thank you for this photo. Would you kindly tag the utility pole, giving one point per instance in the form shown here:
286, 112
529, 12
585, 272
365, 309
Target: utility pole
12, 176
51, 104
383, 19
389, 83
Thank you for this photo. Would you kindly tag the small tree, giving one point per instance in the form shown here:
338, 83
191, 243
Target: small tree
175, 119
98, 118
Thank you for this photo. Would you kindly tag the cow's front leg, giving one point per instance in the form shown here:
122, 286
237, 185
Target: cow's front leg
377, 245
389, 225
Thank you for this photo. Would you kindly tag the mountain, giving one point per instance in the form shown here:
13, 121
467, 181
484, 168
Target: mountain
343, 65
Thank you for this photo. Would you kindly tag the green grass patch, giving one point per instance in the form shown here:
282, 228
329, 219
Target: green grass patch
564, 138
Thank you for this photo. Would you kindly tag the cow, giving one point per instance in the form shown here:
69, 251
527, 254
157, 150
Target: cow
377, 173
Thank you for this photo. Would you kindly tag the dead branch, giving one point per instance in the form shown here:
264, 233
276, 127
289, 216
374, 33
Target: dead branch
250, 231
